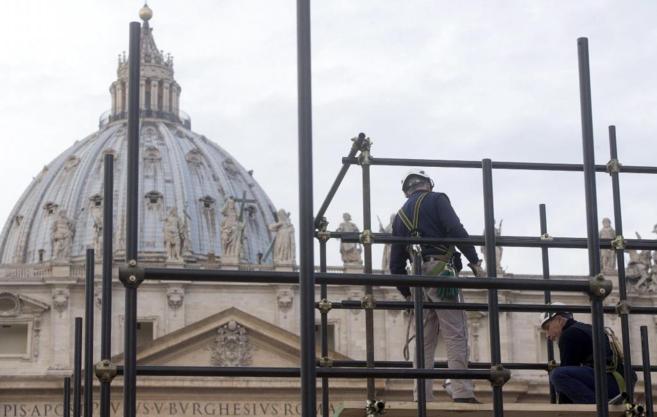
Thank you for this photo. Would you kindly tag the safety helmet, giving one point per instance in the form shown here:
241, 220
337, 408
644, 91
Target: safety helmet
414, 176
549, 315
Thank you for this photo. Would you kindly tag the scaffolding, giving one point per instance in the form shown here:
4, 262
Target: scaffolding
314, 227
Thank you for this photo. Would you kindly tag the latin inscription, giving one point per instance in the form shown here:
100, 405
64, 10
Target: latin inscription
166, 408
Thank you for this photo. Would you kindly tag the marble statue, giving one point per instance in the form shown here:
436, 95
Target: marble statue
351, 252
63, 230
640, 272
284, 247
97, 216
498, 250
385, 258
607, 256
231, 231
174, 235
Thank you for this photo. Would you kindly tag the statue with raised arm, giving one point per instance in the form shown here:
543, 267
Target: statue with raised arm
351, 252
639, 270
63, 230
607, 256
284, 247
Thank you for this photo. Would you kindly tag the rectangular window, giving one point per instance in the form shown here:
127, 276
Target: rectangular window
13, 339
144, 332
330, 336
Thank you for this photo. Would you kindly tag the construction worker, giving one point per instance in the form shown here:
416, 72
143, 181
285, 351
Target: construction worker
430, 214
574, 380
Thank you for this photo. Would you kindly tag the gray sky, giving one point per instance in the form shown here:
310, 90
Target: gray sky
424, 79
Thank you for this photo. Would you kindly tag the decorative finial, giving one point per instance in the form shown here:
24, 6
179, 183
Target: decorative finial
145, 13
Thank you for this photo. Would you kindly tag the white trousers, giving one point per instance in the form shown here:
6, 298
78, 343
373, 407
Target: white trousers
452, 326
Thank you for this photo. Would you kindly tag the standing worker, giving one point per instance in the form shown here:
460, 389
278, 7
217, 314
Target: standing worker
574, 379
430, 214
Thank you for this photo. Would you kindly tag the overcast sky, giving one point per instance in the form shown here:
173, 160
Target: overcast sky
424, 79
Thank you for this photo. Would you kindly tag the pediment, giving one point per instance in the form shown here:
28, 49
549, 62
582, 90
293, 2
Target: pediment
228, 338
16, 304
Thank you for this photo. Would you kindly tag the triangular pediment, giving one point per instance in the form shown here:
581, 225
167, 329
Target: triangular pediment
228, 338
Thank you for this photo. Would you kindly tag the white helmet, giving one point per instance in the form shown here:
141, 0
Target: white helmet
549, 315
414, 176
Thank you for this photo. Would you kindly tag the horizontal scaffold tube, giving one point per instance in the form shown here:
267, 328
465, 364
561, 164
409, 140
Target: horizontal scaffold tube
218, 275
510, 241
530, 166
517, 308
353, 372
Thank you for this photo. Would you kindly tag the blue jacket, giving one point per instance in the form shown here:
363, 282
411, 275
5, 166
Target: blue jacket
436, 219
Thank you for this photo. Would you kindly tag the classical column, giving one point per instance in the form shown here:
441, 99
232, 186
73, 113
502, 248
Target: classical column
113, 94
165, 98
154, 96
60, 328
120, 96
142, 94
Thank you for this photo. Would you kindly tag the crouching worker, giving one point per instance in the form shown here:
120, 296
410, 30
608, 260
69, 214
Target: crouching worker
574, 379
429, 214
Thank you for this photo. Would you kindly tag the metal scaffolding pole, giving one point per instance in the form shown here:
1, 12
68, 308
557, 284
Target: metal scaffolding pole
106, 375
491, 271
324, 326
623, 310
367, 245
77, 368
528, 166
89, 333
306, 276
545, 263
67, 397
418, 314
132, 218
592, 226
647, 378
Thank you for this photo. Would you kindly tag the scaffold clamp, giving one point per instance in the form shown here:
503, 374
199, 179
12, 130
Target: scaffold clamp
325, 362
546, 236
366, 237
105, 370
324, 306
552, 365
499, 375
131, 275
623, 308
375, 408
613, 166
368, 302
599, 287
618, 242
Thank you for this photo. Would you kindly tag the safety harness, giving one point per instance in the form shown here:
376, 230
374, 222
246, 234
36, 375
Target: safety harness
616, 359
443, 266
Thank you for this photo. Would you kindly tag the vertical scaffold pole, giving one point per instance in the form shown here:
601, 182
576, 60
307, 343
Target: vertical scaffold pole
132, 218
418, 313
367, 245
77, 368
592, 226
324, 328
547, 295
613, 168
647, 378
491, 271
89, 333
106, 312
306, 261
67, 397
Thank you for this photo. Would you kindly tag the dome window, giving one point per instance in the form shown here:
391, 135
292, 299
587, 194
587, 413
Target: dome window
50, 207
72, 162
151, 154
153, 199
251, 210
96, 200
207, 201
194, 157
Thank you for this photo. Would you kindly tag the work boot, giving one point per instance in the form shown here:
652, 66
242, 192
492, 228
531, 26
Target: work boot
470, 400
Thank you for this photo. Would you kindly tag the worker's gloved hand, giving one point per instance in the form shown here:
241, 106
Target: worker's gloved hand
477, 270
